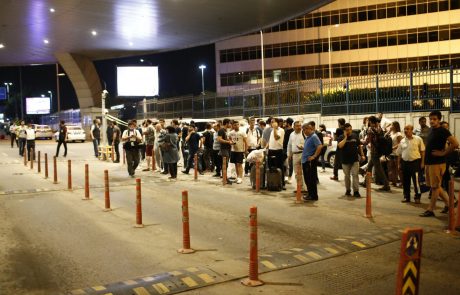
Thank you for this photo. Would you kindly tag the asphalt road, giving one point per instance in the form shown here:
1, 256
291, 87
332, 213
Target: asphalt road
52, 241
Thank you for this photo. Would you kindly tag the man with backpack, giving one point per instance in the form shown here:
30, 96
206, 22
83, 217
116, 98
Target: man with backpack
379, 147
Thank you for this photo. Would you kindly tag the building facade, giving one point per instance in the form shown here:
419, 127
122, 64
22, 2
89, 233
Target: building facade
346, 38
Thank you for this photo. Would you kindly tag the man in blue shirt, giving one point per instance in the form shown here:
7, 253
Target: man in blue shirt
311, 151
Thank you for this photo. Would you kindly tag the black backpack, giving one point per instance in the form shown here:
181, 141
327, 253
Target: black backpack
384, 144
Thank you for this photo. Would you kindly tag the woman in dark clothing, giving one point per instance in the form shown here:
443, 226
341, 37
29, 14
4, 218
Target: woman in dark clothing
170, 151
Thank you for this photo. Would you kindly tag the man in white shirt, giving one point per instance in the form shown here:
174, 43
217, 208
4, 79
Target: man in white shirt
239, 148
296, 140
21, 130
411, 151
253, 140
13, 135
275, 148
131, 138
30, 138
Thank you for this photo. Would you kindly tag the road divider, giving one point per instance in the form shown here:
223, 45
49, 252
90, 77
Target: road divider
39, 165
25, 156
186, 249
253, 279
224, 170
195, 167
451, 216
31, 158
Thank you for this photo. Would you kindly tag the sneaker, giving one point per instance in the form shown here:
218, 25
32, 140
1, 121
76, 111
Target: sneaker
239, 180
183, 171
348, 193
405, 200
308, 198
288, 181
146, 169
427, 213
384, 189
356, 195
334, 178
445, 210
216, 175
246, 174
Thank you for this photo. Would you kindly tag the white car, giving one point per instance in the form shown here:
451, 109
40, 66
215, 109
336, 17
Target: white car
43, 131
74, 133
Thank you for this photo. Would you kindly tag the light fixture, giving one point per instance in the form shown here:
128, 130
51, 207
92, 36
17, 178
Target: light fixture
2, 46
141, 60
46, 41
202, 67
94, 33
61, 74
52, 10
42, 95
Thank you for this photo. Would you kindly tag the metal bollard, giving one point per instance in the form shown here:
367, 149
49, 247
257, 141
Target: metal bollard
195, 167
55, 170
224, 170
86, 183
186, 249
257, 176
46, 165
106, 191
253, 279
298, 192
69, 175
138, 204
39, 165
368, 195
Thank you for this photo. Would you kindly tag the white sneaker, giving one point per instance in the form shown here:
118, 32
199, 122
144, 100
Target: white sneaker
239, 180
287, 180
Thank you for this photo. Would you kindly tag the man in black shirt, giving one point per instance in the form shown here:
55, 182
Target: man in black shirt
287, 132
352, 151
338, 154
435, 161
225, 142
193, 140
62, 138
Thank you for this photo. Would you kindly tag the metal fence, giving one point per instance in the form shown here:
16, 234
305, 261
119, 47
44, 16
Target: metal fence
414, 91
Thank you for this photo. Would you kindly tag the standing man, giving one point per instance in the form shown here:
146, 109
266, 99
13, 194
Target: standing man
217, 158
435, 161
62, 139
225, 142
266, 132
352, 152
239, 148
373, 134
30, 137
22, 135
253, 140
311, 151
131, 139
411, 152
207, 142
287, 163
149, 134
13, 135
116, 141
193, 140
275, 149
295, 148
110, 133
338, 153
96, 136
423, 130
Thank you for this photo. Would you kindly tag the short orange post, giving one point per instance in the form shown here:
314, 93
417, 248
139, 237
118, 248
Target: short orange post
368, 195
186, 249
154, 164
46, 165
224, 170
253, 279
39, 164
451, 217
69, 175
138, 204
25, 157
106, 191
257, 175
298, 192
195, 167
86, 183
408, 276
32, 158
55, 170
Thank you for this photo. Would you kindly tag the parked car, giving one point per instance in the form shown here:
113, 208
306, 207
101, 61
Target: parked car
74, 134
43, 131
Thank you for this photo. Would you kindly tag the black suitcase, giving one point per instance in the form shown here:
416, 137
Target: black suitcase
274, 179
253, 176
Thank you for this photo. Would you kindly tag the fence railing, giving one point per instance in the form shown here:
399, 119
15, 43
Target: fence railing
414, 91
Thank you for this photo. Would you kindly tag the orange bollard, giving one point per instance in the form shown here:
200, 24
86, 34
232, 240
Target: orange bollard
55, 170
368, 195
224, 170
298, 192
138, 204
195, 167
39, 165
253, 279
46, 165
69, 175
124, 157
408, 276
154, 164
86, 183
106, 191
25, 157
32, 157
257, 175
451, 217
185, 226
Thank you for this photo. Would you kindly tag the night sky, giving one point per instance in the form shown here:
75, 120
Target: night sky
178, 73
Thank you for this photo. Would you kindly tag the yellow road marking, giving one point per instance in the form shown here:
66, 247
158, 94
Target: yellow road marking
359, 244
285, 252
130, 282
301, 258
313, 255
189, 282
331, 250
141, 291
340, 239
78, 292
160, 288
98, 288
206, 278
296, 249
192, 269
175, 273
268, 264
410, 266
108, 294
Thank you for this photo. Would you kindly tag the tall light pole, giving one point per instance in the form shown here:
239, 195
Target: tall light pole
262, 60
8, 84
330, 49
51, 98
202, 67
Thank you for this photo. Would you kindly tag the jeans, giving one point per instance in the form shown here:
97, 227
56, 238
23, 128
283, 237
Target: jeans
217, 161
208, 159
22, 146
191, 162
13, 139
30, 146
116, 146
132, 160
351, 172
410, 170
96, 143
297, 160
374, 162
59, 146
310, 174
337, 163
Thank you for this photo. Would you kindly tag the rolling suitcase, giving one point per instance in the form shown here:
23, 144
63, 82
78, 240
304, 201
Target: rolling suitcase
274, 181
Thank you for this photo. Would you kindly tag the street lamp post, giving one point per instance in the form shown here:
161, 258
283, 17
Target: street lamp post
51, 102
330, 49
8, 85
202, 67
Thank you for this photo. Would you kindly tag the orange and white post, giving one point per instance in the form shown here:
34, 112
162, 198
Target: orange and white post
32, 158
253, 280
106, 191
186, 249
138, 204
368, 195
